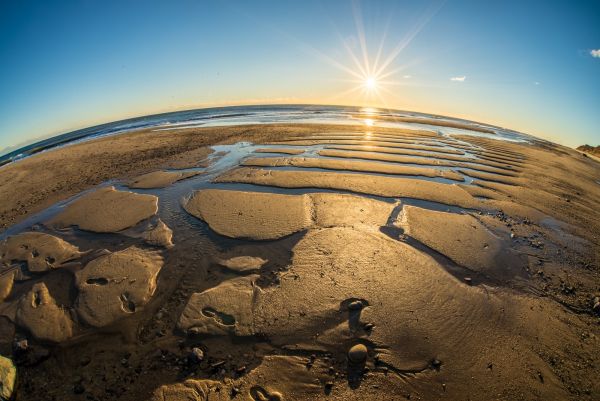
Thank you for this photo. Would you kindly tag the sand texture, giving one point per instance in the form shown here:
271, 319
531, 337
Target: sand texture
39, 251
107, 210
113, 286
40, 315
305, 262
159, 179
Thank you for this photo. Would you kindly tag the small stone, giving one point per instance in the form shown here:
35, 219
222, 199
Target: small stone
468, 280
240, 370
234, 391
369, 326
355, 305
596, 305
436, 363
20, 346
358, 353
512, 235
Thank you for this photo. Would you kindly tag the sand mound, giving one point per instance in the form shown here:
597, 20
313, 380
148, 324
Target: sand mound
161, 235
277, 378
41, 252
42, 317
226, 308
257, 215
243, 264
462, 238
7, 279
191, 390
8, 378
159, 179
107, 210
115, 285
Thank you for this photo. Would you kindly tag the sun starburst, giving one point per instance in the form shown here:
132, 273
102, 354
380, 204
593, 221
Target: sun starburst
372, 75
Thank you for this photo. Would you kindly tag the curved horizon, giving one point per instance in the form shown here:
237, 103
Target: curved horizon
15, 150
446, 58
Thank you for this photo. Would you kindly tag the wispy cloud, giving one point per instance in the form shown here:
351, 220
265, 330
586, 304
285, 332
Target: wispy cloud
458, 79
595, 53
407, 76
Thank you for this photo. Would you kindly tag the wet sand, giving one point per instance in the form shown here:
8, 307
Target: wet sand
301, 262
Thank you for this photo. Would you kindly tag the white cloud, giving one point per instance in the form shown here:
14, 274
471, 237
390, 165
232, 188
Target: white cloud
595, 53
407, 76
458, 79
536, 83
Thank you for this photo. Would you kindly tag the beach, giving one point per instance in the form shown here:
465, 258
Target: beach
302, 262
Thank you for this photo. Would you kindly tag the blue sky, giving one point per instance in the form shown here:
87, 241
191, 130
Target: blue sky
525, 65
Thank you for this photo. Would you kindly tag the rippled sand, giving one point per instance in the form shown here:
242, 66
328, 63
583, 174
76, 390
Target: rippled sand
303, 262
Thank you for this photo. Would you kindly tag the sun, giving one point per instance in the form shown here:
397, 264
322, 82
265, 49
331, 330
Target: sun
371, 83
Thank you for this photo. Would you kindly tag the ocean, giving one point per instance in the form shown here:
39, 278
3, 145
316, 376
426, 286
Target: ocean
270, 114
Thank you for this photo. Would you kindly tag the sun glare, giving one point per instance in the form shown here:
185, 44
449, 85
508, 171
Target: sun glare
371, 83
372, 73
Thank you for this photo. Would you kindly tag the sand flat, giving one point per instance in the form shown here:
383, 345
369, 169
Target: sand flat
362, 271
463, 239
273, 216
257, 216
107, 210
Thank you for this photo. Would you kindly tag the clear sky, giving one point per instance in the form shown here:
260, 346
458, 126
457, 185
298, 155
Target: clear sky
526, 65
